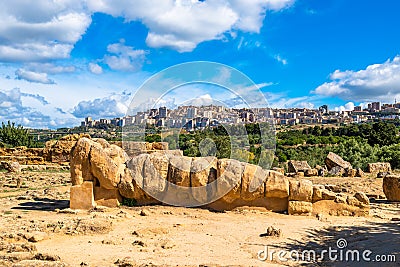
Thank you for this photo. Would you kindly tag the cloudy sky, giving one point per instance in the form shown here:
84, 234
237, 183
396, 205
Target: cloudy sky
62, 60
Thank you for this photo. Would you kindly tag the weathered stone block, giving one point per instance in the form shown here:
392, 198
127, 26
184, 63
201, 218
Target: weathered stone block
276, 186
391, 187
300, 208
379, 167
229, 179
81, 196
276, 204
298, 166
203, 172
107, 197
252, 182
311, 172
301, 190
104, 168
334, 160
79, 164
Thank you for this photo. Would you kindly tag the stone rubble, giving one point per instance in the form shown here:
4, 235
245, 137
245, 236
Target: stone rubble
102, 174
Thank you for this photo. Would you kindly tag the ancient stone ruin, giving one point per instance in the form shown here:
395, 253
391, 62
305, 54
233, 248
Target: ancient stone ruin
298, 166
55, 154
379, 167
391, 187
104, 174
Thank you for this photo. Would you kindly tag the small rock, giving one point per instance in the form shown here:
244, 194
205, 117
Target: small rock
167, 244
126, 262
68, 211
47, 257
36, 236
144, 213
320, 217
362, 197
341, 199
272, 231
108, 242
138, 243
135, 233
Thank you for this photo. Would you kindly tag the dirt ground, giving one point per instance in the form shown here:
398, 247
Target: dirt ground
38, 229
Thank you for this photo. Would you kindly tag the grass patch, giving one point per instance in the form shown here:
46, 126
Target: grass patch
129, 202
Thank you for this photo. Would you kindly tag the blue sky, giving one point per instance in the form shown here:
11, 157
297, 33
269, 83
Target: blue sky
63, 60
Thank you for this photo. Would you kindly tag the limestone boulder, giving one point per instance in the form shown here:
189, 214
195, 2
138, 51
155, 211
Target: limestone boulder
102, 142
298, 166
281, 170
328, 195
178, 190
311, 172
203, 172
300, 208
391, 187
103, 168
276, 186
301, 190
253, 179
179, 172
117, 154
155, 173
379, 167
362, 197
229, 179
107, 197
333, 208
82, 197
337, 171
334, 160
79, 164
352, 201
134, 149
131, 184
160, 146
60, 151
350, 172
317, 194
276, 204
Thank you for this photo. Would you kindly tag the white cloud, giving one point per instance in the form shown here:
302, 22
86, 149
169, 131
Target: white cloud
114, 105
183, 24
44, 30
49, 29
280, 59
124, 58
31, 76
95, 68
376, 82
15, 107
50, 68
347, 107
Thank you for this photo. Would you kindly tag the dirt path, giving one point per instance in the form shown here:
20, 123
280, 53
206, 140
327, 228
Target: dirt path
174, 236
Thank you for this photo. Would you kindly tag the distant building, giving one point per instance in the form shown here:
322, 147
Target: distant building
376, 106
358, 108
191, 113
162, 112
208, 114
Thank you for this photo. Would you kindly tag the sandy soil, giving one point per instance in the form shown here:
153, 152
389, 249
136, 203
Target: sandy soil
36, 224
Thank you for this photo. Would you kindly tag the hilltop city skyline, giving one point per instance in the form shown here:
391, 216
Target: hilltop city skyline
62, 61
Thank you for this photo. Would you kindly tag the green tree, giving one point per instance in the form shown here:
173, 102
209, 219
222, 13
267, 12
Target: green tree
15, 135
